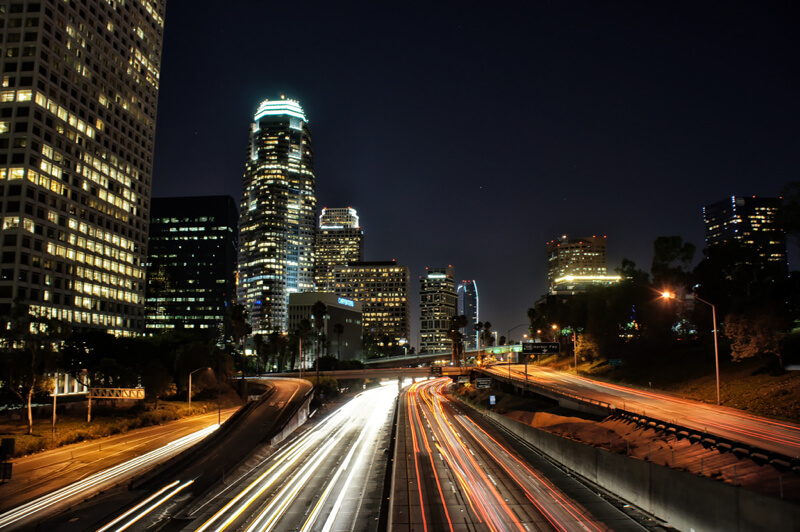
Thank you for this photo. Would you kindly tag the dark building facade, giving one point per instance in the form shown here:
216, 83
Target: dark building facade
78, 108
752, 223
437, 304
191, 268
342, 328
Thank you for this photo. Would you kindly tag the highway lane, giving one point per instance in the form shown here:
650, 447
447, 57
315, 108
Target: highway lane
768, 434
37, 474
461, 478
329, 478
166, 492
24, 517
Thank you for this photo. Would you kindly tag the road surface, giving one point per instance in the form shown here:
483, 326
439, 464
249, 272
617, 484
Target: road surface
768, 434
457, 475
329, 478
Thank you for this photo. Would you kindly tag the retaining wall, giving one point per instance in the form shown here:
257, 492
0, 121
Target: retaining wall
299, 417
682, 500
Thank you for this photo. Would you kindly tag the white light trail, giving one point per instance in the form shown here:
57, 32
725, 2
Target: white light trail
364, 415
79, 489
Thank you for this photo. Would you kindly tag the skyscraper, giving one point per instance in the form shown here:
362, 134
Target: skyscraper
437, 304
468, 306
276, 225
77, 125
575, 264
340, 241
750, 222
191, 268
383, 288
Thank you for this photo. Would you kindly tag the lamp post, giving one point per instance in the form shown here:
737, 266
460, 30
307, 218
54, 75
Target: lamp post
514, 328
299, 348
670, 295
508, 341
190, 383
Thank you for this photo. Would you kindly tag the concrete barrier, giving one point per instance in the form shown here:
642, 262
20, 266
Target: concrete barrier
298, 418
682, 500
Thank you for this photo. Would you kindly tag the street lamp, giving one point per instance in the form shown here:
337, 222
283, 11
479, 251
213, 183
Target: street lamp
190, 383
300, 348
670, 295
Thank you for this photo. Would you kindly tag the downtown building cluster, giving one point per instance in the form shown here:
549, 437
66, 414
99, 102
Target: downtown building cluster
83, 242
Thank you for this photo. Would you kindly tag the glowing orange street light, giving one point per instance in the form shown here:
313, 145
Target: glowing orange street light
671, 295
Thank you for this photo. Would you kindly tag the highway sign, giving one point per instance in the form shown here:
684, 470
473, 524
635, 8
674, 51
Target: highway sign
540, 348
483, 382
615, 361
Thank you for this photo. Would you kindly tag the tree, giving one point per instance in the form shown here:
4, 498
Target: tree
672, 258
303, 333
29, 342
157, 380
338, 330
755, 333
456, 337
239, 323
532, 316
488, 339
587, 348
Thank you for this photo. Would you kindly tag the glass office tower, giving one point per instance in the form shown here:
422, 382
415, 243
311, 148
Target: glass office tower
277, 215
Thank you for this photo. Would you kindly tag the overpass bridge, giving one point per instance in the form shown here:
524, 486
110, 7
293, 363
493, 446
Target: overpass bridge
500, 352
377, 373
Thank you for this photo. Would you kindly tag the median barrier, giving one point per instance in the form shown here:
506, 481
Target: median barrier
682, 500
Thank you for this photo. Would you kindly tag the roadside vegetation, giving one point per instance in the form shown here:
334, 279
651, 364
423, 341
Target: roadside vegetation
72, 427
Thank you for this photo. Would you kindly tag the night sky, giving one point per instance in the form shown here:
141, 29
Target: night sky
470, 135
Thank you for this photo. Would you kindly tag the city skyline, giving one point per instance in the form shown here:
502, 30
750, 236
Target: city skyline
623, 121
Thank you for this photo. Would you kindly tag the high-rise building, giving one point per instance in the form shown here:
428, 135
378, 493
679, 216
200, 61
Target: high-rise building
382, 288
437, 304
277, 226
468, 306
191, 266
750, 222
575, 264
340, 241
77, 125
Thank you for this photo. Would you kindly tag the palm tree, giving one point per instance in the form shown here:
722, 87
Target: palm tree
532, 319
338, 329
456, 338
302, 333
258, 343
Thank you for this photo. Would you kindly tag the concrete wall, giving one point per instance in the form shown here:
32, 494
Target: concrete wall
299, 417
683, 500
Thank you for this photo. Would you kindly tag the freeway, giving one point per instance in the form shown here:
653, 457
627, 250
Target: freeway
456, 475
328, 478
41, 473
767, 434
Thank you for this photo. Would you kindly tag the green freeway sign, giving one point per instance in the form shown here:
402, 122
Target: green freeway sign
540, 348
